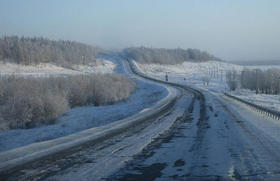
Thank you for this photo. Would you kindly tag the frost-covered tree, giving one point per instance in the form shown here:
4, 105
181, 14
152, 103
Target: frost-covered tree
267, 81
167, 56
41, 50
231, 78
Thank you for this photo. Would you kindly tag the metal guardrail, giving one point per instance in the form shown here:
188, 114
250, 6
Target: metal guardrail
263, 110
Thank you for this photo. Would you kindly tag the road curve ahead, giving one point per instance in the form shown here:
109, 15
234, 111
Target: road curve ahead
226, 144
98, 153
203, 137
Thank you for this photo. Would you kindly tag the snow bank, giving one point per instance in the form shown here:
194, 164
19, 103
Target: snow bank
266, 100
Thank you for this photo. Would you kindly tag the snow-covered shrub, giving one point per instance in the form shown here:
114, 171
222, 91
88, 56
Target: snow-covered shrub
98, 89
27, 102
108, 89
24, 101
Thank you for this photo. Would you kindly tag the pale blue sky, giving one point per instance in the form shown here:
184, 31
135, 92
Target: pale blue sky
230, 29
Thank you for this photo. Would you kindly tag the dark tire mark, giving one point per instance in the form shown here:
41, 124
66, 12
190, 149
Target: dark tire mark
179, 163
147, 173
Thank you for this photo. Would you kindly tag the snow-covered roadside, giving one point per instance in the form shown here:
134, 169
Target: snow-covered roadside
267, 100
23, 155
254, 120
81, 118
215, 90
111, 158
48, 69
193, 73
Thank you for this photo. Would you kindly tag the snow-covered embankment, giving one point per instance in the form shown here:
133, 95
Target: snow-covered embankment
23, 155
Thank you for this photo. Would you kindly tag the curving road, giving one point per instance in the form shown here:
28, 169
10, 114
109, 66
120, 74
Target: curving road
100, 159
203, 137
231, 142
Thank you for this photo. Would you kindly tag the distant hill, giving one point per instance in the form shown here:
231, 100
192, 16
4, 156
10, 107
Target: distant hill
27, 51
258, 62
168, 56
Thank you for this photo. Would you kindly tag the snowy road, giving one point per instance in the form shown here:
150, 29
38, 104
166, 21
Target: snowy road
226, 141
223, 148
231, 143
111, 153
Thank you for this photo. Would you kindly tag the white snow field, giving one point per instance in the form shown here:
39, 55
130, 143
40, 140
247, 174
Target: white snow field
217, 87
263, 67
216, 72
266, 100
48, 69
192, 72
81, 118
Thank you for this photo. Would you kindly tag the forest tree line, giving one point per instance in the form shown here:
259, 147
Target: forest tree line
260, 81
167, 56
29, 51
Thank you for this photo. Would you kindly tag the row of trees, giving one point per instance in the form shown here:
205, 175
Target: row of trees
260, 81
167, 56
29, 51
267, 81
